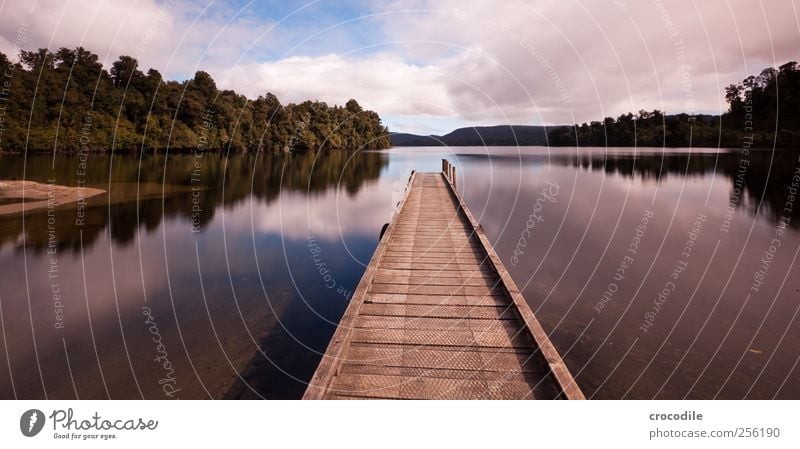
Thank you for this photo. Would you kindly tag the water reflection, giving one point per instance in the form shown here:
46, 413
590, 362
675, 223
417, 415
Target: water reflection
243, 311
144, 191
757, 173
241, 291
727, 327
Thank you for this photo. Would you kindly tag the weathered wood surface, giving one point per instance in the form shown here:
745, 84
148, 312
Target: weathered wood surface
437, 316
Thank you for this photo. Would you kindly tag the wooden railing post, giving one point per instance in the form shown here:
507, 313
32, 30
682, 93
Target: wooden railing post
449, 171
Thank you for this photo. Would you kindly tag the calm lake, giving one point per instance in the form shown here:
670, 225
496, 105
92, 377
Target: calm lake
659, 274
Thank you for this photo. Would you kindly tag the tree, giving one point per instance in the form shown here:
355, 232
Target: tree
73, 104
125, 71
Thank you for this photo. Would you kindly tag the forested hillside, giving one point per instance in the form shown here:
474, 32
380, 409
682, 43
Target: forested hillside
763, 112
499, 135
67, 101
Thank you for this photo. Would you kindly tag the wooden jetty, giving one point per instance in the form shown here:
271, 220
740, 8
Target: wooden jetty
437, 316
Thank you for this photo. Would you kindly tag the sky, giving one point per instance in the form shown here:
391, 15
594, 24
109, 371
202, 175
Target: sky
427, 66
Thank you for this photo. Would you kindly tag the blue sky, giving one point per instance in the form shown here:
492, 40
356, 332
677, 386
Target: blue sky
298, 22
431, 66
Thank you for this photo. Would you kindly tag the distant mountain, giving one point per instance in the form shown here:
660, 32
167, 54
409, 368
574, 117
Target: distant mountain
501, 135
413, 140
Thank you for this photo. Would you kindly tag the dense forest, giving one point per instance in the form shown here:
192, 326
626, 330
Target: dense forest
67, 101
763, 112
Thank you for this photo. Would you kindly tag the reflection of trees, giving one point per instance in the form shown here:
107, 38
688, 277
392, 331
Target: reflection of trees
762, 172
144, 192
646, 166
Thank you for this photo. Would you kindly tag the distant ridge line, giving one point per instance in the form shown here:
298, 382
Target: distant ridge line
499, 135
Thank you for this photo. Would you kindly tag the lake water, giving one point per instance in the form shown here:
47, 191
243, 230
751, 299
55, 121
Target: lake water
658, 274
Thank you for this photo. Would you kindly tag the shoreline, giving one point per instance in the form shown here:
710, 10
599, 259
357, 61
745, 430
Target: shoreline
27, 196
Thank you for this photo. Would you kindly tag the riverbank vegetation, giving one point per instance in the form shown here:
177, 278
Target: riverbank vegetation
762, 112
67, 101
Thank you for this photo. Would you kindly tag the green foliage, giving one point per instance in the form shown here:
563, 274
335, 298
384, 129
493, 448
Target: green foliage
66, 101
763, 112
767, 105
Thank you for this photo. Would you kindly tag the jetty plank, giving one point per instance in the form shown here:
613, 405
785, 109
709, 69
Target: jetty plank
437, 316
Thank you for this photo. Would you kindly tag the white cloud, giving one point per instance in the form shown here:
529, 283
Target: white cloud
378, 82
542, 62
555, 60
106, 28
480, 62
177, 38
325, 215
